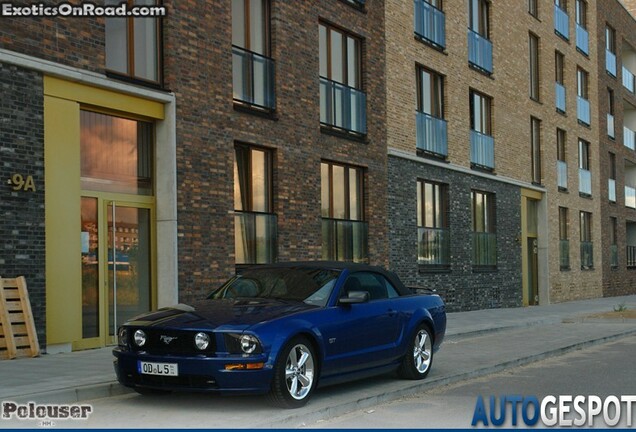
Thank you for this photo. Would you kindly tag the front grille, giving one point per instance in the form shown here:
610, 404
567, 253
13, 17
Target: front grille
171, 342
189, 381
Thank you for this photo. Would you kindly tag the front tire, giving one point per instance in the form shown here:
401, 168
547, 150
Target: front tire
295, 374
419, 355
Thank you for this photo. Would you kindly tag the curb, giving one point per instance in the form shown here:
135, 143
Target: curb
74, 395
308, 419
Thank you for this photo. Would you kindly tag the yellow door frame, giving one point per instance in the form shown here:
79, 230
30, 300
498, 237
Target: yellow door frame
526, 194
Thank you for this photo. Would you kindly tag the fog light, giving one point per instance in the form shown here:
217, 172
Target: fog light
201, 340
140, 338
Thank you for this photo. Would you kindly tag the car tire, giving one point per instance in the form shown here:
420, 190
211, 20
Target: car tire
419, 355
295, 374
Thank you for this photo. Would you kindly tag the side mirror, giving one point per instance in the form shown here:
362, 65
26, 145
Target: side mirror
355, 297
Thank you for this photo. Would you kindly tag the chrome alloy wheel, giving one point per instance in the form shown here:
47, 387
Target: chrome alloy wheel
299, 372
422, 351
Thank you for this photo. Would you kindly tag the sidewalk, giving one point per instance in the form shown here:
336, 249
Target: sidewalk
478, 343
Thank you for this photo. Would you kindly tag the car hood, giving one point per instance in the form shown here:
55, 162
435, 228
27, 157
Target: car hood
220, 314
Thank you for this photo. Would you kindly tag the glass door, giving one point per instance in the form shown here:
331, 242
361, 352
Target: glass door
129, 263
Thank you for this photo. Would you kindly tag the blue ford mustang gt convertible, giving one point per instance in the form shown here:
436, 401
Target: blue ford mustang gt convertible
283, 330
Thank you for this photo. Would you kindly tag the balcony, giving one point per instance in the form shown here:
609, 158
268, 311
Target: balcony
343, 107
585, 182
559, 90
611, 132
479, 52
562, 175
628, 80
613, 256
253, 79
431, 134
482, 150
610, 62
564, 254
587, 255
561, 22
484, 249
611, 190
583, 110
433, 246
582, 40
630, 197
629, 138
256, 236
631, 256
430, 23
345, 240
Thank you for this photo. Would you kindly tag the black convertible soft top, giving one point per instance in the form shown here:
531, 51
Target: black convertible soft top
339, 265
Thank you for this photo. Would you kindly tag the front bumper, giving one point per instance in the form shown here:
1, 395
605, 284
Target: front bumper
201, 374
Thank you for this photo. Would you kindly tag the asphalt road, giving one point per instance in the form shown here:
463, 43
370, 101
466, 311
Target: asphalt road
602, 370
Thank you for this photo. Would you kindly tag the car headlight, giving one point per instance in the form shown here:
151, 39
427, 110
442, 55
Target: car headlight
122, 336
249, 344
140, 338
202, 341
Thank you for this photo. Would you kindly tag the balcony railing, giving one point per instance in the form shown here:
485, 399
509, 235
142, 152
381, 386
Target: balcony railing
561, 22
629, 138
610, 62
559, 90
253, 78
631, 256
630, 197
582, 39
256, 236
587, 255
583, 110
345, 240
484, 249
562, 175
430, 23
431, 134
614, 255
585, 182
479, 51
611, 190
433, 246
482, 150
611, 132
564, 254
342, 106
628, 80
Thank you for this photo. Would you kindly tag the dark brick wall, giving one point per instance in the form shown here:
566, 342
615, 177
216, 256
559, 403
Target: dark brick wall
199, 70
462, 288
621, 280
22, 212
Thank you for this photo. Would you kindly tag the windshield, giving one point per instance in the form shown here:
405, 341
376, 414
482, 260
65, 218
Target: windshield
299, 284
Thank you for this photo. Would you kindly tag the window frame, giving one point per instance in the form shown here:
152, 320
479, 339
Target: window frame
347, 191
610, 39
482, 20
582, 83
580, 7
269, 181
439, 201
436, 92
485, 123
564, 235
535, 69
345, 35
533, 8
561, 139
584, 154
535, 149
559, 67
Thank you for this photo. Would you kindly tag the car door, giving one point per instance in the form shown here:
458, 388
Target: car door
363, 335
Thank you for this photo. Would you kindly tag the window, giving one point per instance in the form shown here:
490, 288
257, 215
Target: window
375, 284
611, 133
611, 182
561, 4
430, 93
116, 154
585, 176
133, 44
534, 66
344, 232
252, 67
562, 165
610, 39
561, 145
484, 229
255, 224
479, 17
587, 250
432, 224
564, 239
535, 145
581, 13
584, 155
559, 67
342, 104
533, 8
613, 243
480, 113
583, 112
582, 83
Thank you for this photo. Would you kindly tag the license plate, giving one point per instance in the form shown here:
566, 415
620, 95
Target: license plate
163, 369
